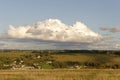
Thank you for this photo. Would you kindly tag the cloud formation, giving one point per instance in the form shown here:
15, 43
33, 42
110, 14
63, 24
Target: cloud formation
54, 30
114, 29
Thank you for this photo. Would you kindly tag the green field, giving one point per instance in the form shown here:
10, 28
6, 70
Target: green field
60, 74
57, 59
59, 65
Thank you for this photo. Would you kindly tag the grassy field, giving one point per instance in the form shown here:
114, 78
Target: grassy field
61, 74
98, 65
59, 59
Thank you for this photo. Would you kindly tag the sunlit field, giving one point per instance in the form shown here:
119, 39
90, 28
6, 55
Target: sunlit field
64, 65
61, 74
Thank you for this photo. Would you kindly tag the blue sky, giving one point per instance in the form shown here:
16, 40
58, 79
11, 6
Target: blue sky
93, 13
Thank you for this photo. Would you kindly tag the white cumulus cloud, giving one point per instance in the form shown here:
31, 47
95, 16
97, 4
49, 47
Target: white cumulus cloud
54, 30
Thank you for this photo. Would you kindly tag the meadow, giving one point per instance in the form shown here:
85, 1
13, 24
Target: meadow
59, 65
59, 59
60, 74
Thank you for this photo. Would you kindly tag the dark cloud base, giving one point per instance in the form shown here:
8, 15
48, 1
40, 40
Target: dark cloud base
33, 44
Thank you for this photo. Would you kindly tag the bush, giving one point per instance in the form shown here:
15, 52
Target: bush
59, 65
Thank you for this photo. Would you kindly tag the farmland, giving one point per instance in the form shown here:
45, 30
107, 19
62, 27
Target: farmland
59, 59
59, 65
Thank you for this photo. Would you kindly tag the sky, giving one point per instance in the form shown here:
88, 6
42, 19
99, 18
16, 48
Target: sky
60, 24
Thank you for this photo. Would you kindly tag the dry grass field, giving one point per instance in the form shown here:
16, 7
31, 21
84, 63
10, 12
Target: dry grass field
61, 74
